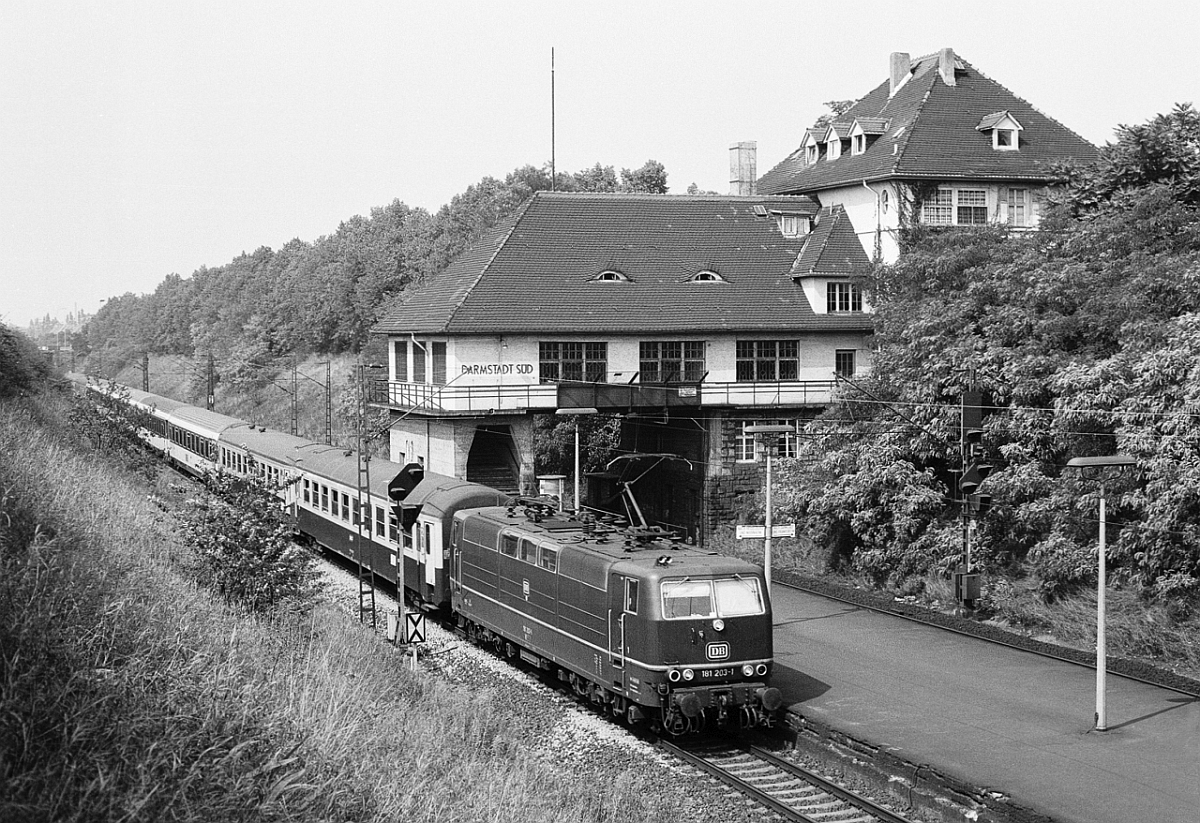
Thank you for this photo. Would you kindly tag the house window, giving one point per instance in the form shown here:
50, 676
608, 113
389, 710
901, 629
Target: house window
401, 351
745, 443
1018, 207
418, 372
843, 362
955, 207
439, 364
791, 225
835, 149
573, 361
812, 154
760, 360
672, 362
860, 144
971, 208
1005, 139
842, 297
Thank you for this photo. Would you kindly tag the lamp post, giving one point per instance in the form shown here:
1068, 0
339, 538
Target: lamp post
576, 414
771, 430
1093, 468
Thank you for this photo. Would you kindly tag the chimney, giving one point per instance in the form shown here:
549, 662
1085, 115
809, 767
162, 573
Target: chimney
900, 66
946, 66
743, 167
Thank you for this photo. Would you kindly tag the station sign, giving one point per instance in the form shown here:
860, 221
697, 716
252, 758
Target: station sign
777, 530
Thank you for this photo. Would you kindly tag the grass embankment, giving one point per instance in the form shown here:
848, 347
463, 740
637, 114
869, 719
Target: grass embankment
126, 693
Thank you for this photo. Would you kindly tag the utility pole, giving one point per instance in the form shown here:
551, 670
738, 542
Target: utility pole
295, 399
212, 384
146, 372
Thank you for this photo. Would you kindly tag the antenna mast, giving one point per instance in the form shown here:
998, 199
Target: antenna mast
553, 175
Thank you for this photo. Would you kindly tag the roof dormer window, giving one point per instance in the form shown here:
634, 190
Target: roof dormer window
834, 150
793, 225
1005, 130
611, 276
706, 276
812, 153
859, 144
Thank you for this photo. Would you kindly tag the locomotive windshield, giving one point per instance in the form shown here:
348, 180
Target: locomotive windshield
727, 597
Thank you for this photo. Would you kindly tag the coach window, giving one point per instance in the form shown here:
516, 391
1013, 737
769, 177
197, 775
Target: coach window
428, 544
527, 551
345, 506
324, 498
631, 595
306, 490
393, 528
508, 544
549, 559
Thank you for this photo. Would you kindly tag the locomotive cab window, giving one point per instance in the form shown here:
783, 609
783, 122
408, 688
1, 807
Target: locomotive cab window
733, 597
631, 595
738, 597
508, 544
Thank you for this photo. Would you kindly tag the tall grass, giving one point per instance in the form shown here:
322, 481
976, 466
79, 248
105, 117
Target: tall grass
128, 694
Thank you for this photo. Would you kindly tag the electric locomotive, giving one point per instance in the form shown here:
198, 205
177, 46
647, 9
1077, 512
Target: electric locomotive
647, 626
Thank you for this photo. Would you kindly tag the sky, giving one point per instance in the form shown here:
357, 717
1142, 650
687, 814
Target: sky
142, 138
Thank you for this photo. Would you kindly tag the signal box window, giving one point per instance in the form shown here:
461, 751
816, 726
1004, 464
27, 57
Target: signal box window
379, 526
585, 362
438, 353
671, 362
401, 361
767, 360
843, 362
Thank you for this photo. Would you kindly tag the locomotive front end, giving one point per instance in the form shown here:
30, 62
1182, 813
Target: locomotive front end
711, 634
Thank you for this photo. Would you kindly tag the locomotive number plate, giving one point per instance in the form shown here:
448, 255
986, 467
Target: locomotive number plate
713, 673
718, 651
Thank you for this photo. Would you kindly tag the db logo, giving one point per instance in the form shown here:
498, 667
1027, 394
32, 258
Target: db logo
718, 651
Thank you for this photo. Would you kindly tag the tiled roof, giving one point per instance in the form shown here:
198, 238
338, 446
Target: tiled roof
535, 274
932, 135
832, 249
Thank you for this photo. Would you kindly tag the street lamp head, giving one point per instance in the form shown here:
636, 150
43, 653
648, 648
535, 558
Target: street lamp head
574, 411
1092, 468
770, 429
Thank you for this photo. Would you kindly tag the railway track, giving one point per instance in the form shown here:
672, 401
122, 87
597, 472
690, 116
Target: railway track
785, 788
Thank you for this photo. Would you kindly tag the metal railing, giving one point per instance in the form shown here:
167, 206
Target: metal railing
471, 399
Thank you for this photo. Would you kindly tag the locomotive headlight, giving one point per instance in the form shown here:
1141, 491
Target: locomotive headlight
748, 670
719, 625
688, 674
673, 675
762, 669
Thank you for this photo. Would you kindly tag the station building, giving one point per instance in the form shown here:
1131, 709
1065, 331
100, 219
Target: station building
689, 317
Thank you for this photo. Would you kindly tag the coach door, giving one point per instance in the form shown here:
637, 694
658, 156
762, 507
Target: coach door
423, 533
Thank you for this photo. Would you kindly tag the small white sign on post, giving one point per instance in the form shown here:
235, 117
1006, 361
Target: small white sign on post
414, 627
777, 530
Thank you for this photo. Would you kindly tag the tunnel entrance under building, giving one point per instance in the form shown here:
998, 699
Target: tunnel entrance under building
493, 461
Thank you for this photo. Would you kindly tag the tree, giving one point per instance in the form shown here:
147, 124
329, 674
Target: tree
651, 178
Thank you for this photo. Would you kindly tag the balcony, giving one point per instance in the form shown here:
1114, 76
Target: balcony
450, 400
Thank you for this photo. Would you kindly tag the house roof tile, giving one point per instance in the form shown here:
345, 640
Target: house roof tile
534, 274
933, 135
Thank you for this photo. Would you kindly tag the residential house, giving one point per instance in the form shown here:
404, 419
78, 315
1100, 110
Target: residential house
937, 143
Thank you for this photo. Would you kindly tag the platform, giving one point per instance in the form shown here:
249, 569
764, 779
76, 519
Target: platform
1003, 720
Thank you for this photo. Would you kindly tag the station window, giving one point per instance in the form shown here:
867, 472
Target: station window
573, 361
393, 528
379, 523
843, 297
672, 361
549, 559
843, 362
767, 360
